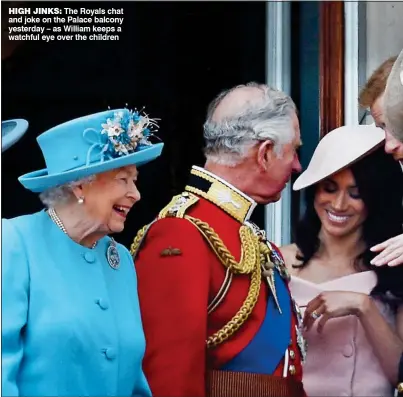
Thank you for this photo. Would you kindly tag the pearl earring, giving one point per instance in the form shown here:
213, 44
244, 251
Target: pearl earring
80, 200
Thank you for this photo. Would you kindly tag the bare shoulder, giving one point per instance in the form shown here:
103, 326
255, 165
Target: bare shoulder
289, 253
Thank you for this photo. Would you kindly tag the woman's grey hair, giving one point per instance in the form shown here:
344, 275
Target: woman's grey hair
267, 117
62, 194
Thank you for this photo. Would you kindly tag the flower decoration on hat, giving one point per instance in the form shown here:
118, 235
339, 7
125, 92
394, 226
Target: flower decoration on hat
128, 132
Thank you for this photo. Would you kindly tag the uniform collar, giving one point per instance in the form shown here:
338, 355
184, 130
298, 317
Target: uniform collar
221, 193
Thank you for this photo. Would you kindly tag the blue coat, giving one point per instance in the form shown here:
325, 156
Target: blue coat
71, 324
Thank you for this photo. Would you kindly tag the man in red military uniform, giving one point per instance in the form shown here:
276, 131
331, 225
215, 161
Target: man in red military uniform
216, 309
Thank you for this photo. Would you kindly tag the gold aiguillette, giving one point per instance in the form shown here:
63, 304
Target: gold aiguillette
268, 273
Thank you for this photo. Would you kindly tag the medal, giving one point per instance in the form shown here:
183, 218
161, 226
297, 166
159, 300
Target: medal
301, 341
268, 273
278, 261
267, 262
112, 255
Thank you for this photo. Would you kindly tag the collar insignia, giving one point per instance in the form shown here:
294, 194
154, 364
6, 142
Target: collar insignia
221, 193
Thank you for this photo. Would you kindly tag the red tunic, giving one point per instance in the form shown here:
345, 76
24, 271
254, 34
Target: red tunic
174, 292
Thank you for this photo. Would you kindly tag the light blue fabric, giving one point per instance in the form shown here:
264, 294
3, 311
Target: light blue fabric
12, 131
71, 324
76, 149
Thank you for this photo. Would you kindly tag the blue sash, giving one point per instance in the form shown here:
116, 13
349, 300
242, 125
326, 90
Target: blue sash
266, 350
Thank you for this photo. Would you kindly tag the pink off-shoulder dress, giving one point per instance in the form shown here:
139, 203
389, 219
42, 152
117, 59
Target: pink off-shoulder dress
341, 361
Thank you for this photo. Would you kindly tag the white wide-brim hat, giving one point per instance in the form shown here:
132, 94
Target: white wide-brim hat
12, 131
339, 149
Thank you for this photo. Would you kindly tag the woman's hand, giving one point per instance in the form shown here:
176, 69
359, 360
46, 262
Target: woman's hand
391, 252
333, 304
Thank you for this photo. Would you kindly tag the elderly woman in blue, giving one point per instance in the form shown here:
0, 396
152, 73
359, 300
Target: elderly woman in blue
71, 320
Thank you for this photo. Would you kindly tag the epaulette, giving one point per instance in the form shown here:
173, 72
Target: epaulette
178, 206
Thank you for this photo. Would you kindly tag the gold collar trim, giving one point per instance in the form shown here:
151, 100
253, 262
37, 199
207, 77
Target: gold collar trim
221, 193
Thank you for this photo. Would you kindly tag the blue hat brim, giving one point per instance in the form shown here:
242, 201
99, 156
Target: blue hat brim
13, 132
39, 181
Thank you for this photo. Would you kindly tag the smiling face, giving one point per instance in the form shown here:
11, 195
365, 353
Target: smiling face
339, 206
109, 198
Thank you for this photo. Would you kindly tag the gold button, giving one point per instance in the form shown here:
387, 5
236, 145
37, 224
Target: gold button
292, 354
292, 369
400, 387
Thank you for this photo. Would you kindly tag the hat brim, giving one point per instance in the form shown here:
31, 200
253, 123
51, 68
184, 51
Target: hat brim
12, 131
313, 175
39, 181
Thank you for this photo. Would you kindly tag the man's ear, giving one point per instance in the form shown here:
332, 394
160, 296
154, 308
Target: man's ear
265, 155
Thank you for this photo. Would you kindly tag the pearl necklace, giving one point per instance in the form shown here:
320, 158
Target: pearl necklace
55, 218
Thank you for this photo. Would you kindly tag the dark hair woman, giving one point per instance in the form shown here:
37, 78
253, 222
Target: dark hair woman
353, 322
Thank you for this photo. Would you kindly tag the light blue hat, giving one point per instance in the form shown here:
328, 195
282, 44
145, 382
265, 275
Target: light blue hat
93, 144
12, 131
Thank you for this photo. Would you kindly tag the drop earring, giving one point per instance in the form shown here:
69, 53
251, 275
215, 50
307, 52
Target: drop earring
80, 200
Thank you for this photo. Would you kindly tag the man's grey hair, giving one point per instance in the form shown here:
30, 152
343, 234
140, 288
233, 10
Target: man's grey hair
393, 100
269, 117
62, 194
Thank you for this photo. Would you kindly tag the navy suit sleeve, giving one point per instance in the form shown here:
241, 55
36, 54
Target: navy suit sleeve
15, 292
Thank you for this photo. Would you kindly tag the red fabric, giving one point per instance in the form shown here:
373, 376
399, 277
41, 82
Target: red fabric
174, 292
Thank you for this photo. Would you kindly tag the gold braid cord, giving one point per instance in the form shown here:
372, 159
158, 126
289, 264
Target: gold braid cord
137, 240
251, 256
249, 264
